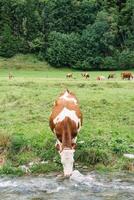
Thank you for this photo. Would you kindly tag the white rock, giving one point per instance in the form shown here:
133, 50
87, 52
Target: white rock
81, 142
80, 178
127, 155
77, 176
24, 168
31, 164
44, 162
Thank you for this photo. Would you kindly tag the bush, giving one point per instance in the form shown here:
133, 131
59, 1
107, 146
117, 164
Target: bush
93, 156
9, 44
119, 146
10, 170
18, 143
45, 168
126, 59
63, 49
110, 63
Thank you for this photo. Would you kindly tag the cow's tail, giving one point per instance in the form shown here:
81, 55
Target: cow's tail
66, 135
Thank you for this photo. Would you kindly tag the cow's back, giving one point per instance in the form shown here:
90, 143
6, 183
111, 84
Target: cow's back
65, 111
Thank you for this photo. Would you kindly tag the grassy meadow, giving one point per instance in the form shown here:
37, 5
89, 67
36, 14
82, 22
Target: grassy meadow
25, 105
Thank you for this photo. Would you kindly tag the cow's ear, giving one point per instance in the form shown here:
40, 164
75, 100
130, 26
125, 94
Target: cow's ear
57, 146
74, 145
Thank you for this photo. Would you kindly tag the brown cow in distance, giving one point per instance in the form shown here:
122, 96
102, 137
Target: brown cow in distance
70, 75
65, 122
126, 75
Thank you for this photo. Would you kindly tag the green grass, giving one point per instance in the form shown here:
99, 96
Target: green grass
25, 105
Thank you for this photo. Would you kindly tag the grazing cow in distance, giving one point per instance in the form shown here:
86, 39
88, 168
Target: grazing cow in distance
10, 76
65, 122
70, 75
101, 78
126, 75
86, 75
112, 75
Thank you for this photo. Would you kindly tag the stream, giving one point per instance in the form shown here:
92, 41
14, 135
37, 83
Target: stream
90, 186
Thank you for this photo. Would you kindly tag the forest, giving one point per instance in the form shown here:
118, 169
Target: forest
79, 34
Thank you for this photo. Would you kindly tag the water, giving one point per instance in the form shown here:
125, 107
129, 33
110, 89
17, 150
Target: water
92, 186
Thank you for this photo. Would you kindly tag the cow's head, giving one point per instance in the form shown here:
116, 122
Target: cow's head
67, 158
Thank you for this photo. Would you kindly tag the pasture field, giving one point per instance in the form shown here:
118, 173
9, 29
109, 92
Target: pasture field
25, 105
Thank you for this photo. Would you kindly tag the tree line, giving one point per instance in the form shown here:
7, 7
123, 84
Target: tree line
81, 34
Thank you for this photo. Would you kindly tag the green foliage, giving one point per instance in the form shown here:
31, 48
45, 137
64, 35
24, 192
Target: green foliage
18, 143
45, 168
63, 49
126, 59
86, 34
93, 156
110, 63
24, 157
8, 169
119, 146
8, 43
68, 16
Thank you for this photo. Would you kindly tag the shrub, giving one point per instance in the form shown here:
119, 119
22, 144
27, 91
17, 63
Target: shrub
18, 143
9, 44
93, 156
63, 49
10, 170
119, 146
110, 63
126, 59
44, 168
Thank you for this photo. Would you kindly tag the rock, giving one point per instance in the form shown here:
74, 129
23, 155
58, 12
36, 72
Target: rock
81, 142
85, 167
44, 162
31, 164
127, 155
77, 176
24, 168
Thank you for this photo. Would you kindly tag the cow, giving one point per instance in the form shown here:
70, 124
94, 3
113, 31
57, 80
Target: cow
70, 75
10, 76
65, 122
100, 78
126, 75
112, 75
86, 75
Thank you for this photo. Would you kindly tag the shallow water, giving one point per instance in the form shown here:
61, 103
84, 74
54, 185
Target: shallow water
92, 186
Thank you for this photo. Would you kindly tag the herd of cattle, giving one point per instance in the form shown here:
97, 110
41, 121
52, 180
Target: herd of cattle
124, 75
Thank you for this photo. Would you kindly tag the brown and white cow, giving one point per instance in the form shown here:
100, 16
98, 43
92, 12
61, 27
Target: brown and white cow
86, 75
65, 122
70, 75
101, 78
126, 75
